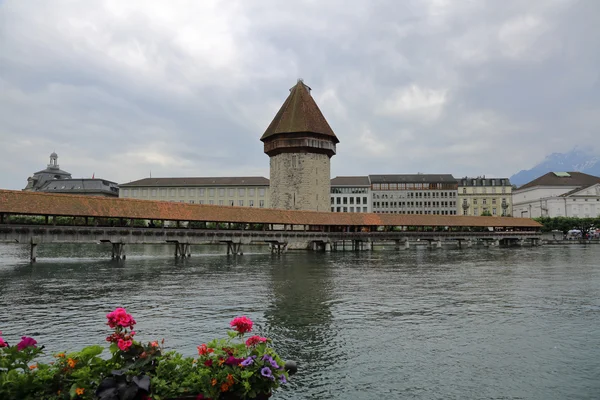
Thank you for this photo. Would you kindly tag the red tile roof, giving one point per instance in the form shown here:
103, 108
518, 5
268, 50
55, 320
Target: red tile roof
299, 113
35, 203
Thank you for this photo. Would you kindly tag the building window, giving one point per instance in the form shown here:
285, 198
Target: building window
125, 192
211, 202
345, 201
251, 203
250, 192
211, 192
332, 200
484, 201
476, 211
338, 200
494, 211
192, 201
134, 192
261, 203
231, 202
220, 202
474, 201
351, 200
261, 192
221, 192
201, 202
241, 203
200, 192
231, 192
153, 193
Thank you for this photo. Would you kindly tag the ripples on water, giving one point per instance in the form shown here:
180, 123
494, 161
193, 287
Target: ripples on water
417, 324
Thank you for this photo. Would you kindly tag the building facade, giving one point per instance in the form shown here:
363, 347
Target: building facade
54, 180
351, 194
558, 194
250, 191
414, 194
300, 144
481, 195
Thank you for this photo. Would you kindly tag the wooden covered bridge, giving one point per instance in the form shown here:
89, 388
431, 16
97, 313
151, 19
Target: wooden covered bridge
36, 218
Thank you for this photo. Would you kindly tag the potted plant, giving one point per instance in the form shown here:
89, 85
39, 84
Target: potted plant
230, 368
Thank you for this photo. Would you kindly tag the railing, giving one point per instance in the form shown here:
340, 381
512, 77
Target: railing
291, 143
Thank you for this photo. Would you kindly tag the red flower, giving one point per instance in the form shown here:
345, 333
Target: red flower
254, 340
119, 317
124, 345
203, 349
241, 324
208, 362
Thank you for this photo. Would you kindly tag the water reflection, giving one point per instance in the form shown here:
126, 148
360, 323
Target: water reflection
299, 315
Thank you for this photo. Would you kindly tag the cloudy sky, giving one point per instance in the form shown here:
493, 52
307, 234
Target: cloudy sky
186, 88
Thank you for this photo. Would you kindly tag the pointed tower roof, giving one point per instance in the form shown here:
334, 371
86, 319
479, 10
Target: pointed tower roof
299, 113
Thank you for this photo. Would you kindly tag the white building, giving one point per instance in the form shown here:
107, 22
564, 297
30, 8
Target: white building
558, 194
252, 191
414, 194
351, 194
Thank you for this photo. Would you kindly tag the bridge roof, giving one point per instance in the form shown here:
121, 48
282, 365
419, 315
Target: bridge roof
35, 203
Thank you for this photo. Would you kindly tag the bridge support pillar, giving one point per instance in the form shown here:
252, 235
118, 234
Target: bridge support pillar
459, 244
182, 250
33, 252
118, 251
234, 248
438, 244
406, 244
327, 247
278, 248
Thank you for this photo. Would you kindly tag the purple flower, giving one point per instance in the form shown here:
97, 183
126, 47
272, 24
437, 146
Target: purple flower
26, 342
248, 361
266, 372
274, 364
267, 357
282, 379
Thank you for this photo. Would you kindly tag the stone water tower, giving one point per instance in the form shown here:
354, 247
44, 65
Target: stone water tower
300, 143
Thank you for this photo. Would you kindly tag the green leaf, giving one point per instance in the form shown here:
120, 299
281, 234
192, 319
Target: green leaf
73, 392
232, 334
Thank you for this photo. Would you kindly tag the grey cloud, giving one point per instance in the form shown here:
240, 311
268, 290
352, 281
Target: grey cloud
120, 89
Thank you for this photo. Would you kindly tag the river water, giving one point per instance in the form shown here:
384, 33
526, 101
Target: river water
520, 323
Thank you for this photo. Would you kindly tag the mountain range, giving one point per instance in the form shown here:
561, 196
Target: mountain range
575, 160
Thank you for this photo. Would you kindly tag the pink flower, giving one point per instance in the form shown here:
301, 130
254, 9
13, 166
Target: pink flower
119, 317
154, 344
2, 342
241, 324
254, 340
26, 342
124, 345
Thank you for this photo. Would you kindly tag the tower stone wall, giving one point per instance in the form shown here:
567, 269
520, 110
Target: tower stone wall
300, 181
